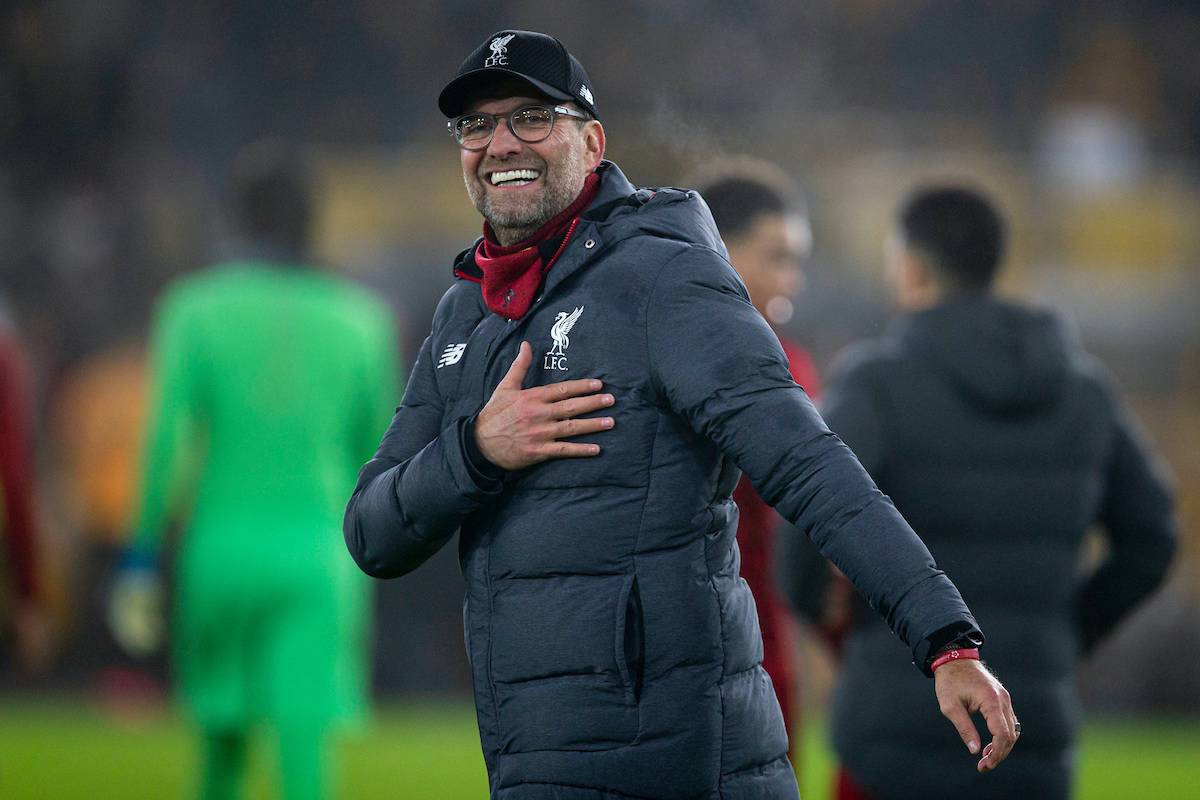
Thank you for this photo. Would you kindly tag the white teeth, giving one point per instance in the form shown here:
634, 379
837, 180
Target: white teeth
524, 175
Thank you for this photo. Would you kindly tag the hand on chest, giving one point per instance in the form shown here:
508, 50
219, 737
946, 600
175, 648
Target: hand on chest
572, 338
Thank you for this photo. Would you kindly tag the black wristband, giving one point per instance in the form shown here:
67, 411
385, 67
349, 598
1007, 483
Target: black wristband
962, 633
475, 456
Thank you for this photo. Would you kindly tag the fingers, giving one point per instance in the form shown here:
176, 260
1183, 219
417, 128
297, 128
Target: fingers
520, 365
985, 763
561, 391
552, 450
966, 686
565, 409
578, 427
961, 720
999, 717
1011, 716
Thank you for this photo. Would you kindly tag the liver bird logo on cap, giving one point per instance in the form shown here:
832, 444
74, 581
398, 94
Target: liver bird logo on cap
499, 47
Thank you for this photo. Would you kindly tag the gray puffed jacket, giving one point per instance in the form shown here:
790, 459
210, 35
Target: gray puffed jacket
614, 650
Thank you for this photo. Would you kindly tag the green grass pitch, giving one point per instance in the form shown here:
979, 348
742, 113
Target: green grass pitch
68, 749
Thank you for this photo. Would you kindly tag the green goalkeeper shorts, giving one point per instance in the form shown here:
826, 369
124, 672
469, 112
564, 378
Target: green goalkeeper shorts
269, 632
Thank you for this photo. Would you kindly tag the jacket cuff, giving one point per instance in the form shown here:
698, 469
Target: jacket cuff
483, 474
963, 632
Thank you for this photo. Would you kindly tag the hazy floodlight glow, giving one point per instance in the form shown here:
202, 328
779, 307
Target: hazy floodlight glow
780, 310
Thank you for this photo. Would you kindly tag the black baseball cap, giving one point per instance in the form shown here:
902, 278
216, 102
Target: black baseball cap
535, 58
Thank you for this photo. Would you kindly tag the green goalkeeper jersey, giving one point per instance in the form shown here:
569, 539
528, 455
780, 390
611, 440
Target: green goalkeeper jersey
270, 387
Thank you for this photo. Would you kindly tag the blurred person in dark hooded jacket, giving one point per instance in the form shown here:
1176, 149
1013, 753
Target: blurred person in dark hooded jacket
1003, 442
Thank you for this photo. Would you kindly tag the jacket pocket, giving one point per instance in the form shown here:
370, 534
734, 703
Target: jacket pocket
630, 640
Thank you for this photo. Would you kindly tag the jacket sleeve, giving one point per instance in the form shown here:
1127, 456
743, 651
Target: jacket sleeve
718, 365
413, 495
1137, 513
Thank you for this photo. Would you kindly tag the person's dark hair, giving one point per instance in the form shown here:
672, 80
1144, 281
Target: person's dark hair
271, 197
958, 231
743, 190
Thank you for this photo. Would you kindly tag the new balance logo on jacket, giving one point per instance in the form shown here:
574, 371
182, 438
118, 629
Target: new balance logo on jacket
452, 355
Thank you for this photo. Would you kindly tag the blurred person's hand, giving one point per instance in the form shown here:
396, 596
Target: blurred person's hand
966, 686
35, 633
135, 600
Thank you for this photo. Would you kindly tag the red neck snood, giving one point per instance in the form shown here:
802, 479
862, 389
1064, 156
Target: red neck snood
512, 274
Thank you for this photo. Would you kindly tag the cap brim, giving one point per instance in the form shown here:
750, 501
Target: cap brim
453, 99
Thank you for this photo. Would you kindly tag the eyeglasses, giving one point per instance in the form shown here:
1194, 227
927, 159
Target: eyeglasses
530, 124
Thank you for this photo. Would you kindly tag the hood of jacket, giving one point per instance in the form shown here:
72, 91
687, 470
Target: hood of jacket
1006, 357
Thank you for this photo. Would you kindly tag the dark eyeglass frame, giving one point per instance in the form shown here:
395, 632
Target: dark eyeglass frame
555, 113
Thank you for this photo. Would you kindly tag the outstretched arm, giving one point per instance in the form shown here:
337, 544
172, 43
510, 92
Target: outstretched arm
739, 394
718, 365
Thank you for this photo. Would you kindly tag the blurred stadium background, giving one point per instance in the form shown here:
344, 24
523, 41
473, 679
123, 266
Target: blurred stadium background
118, 123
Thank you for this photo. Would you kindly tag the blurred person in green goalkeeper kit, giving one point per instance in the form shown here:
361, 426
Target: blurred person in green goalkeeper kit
1003, 442
270, 382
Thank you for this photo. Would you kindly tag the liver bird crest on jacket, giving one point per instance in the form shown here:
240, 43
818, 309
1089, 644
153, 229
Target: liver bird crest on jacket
563, 322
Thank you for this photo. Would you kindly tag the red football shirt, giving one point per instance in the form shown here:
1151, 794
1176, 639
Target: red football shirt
16, 465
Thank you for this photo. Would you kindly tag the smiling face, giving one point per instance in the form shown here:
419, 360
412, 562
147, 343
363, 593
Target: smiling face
518, 186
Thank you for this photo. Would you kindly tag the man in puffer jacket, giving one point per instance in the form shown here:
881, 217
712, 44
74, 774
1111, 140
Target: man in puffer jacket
1003, 442
594, 382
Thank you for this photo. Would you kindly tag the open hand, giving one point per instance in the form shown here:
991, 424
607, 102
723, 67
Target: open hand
521, 427
964, 687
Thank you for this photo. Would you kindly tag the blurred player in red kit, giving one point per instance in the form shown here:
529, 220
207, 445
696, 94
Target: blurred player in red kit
26, 615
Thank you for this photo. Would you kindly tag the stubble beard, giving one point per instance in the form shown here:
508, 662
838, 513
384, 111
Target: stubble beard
516, 222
